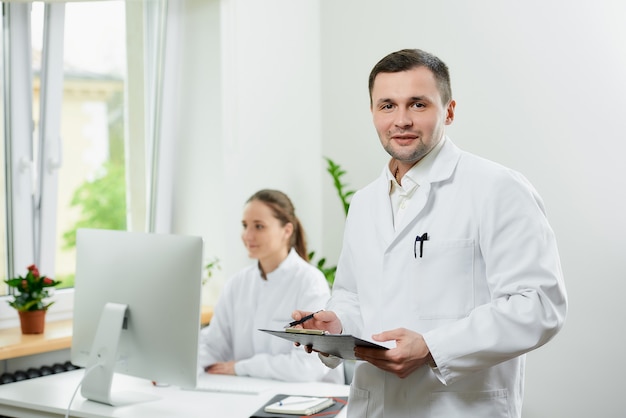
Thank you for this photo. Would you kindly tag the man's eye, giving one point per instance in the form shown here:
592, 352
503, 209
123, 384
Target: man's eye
258, 226
386, 106
419, 105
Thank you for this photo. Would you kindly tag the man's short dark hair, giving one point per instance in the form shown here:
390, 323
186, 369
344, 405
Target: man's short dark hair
407, 59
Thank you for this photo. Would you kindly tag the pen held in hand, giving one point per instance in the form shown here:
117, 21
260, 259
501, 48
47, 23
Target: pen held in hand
301, 320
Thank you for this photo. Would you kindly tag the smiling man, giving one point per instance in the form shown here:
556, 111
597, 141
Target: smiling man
448, 258
409, 115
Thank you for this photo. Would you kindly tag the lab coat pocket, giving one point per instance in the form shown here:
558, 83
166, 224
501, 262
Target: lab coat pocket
491, 404
443, 279
359, 402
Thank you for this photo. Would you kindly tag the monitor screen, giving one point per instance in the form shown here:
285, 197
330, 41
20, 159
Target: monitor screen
136, 309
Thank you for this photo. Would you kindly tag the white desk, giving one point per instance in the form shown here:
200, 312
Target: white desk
47, 397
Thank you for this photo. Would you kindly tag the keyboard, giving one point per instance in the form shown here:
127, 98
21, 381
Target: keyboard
233, 384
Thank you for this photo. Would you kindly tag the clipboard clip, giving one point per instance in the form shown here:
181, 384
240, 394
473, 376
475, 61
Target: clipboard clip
306, 331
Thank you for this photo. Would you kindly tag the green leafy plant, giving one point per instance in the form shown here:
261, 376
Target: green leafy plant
329, 272
210, 267
336, 172
102, 203
31, 290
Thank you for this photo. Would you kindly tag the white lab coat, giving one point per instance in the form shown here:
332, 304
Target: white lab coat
248, 303
487, 289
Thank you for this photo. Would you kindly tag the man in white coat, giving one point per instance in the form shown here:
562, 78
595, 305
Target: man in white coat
447, 258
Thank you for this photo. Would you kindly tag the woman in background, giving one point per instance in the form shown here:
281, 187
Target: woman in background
264, 295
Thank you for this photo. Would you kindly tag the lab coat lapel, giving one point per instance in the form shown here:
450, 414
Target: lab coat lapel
441, 170
383, 217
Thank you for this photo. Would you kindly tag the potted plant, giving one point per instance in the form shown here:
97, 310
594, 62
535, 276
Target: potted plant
28, 299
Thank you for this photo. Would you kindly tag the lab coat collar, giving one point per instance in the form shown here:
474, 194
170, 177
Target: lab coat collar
441, 168
287, 263
432, 168
445, 162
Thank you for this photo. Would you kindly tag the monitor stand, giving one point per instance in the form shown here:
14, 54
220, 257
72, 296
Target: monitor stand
96, 385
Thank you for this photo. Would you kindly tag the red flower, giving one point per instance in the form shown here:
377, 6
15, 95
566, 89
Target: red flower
33, 269
31, 290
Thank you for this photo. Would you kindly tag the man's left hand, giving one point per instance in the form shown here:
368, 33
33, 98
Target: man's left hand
410, 353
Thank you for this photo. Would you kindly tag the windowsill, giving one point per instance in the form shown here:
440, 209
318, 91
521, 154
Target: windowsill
57, 335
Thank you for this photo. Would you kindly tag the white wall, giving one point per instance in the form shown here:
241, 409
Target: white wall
249, 119
540, 86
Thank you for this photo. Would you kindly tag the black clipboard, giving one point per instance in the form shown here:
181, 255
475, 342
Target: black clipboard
339, 345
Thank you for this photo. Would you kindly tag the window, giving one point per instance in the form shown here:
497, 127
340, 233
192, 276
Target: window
83, 100
91, 187
3, 201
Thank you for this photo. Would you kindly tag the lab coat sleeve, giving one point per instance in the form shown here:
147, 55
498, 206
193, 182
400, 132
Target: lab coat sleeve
215, 339
295, 365
345, 299
528, 301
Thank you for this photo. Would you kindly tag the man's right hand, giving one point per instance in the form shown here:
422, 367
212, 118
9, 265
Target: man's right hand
324, 320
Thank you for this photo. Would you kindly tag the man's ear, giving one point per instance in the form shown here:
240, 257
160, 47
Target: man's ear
450, 112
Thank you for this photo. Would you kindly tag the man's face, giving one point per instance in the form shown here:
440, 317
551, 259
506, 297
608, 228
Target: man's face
408, 114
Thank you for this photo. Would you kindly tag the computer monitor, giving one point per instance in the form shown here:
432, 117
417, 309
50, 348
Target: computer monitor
136, 310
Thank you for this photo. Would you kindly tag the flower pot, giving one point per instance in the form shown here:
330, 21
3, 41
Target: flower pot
32, 322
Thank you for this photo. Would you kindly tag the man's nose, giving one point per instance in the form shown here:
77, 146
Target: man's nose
403, 119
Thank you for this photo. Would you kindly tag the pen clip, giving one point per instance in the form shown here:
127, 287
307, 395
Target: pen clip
421, 239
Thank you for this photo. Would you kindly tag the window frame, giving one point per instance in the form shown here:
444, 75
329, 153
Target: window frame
19, 163
31, 207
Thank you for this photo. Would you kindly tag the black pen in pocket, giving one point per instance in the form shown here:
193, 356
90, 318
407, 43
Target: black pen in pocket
421, 239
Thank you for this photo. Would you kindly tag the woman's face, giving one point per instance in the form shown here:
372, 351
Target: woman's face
263, 235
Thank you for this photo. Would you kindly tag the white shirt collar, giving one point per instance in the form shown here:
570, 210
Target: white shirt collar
418, 173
